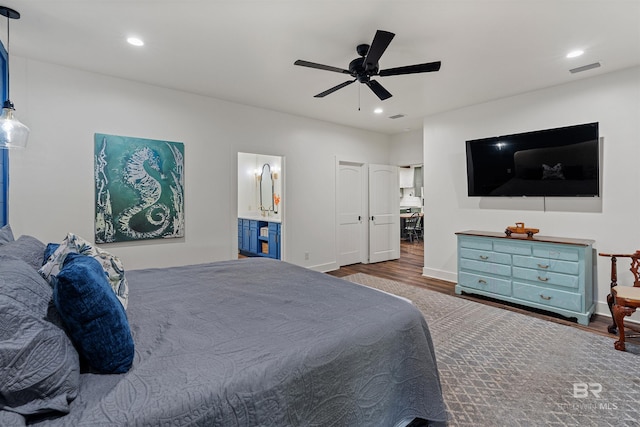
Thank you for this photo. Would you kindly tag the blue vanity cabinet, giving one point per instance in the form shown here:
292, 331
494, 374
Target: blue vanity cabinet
253, 236
548, 273
274, 240
254, 240
244, 239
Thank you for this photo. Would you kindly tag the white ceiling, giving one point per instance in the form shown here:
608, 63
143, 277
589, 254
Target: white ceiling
244, 50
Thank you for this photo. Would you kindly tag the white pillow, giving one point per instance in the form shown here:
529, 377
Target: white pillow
111, 264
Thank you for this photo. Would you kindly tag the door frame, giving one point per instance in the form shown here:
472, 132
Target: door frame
365, 254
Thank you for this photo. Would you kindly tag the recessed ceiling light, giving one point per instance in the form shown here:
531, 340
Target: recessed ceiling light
135, 41
378, 110
575, 53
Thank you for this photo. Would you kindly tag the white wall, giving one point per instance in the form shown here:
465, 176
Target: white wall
51, 185
612, 99
406, 148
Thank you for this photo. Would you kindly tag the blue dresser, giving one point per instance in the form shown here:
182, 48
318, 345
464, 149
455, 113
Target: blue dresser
259, 238
547, 273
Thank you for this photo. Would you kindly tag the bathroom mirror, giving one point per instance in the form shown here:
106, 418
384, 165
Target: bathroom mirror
266, 189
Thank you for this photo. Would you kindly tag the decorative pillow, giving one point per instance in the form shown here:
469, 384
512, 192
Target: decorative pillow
554, 172
110, 263
92, 314
39, 365
6, 235
49, 250
26, 248
28, 289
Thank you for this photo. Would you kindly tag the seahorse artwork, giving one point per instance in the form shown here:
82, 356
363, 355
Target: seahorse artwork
139, 189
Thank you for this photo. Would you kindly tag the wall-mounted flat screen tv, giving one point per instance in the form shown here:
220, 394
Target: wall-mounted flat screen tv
560, 162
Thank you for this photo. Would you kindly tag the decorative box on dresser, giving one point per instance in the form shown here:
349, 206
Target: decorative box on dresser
543, 272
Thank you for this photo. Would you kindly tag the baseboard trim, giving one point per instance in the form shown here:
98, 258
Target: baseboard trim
602, 309
440, 274
323, 268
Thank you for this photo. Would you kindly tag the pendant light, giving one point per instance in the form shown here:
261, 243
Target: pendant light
13, 134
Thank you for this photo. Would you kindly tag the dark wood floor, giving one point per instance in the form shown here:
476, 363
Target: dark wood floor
408, 269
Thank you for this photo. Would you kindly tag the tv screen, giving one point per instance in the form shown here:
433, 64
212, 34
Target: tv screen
559, 162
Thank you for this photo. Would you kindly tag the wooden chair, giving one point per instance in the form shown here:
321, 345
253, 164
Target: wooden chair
419, 229
411, 225
623, 300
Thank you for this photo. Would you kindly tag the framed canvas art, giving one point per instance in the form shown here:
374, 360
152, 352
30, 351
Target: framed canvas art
139, 189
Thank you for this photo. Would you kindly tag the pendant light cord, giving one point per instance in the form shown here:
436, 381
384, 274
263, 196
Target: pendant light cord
8, 67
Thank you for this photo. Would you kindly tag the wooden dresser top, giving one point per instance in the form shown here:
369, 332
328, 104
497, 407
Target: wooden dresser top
523, 237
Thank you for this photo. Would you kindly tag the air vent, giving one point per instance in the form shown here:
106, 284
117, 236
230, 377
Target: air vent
584, 68
397, 116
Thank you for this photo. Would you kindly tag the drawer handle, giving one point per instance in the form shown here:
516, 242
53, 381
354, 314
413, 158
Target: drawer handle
544, 297
482, 282
543, 266
543, 279
484, 257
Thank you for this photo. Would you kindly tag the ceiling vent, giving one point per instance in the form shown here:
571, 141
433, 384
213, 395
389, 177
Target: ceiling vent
584, 68
397, 116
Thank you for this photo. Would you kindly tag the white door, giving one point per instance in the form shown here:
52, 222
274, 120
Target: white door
351, 213
384, 213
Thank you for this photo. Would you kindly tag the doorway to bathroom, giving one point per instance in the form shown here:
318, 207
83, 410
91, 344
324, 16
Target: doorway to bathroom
260, 208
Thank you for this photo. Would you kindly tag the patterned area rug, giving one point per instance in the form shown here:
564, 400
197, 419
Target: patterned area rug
500, 368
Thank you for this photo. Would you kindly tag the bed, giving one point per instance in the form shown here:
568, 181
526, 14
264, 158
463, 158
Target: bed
256, 342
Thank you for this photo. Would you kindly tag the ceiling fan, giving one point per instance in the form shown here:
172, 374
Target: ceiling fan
365, 67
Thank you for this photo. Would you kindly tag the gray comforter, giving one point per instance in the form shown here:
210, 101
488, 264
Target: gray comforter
259, 342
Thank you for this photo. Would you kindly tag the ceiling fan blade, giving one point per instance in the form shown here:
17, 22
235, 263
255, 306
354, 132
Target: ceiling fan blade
377, 88
321, 66
411, 69
378, 46
333, 89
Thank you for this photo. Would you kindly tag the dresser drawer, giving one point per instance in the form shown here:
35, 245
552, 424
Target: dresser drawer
566, 267
482, 244
485, 256
485, 267
557, 253
512, 248
546, 277
551, 297
484, 283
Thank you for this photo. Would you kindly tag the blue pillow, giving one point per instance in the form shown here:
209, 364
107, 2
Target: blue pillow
92, 314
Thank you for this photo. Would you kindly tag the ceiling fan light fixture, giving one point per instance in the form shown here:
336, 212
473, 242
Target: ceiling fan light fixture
13, 134
366, 66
